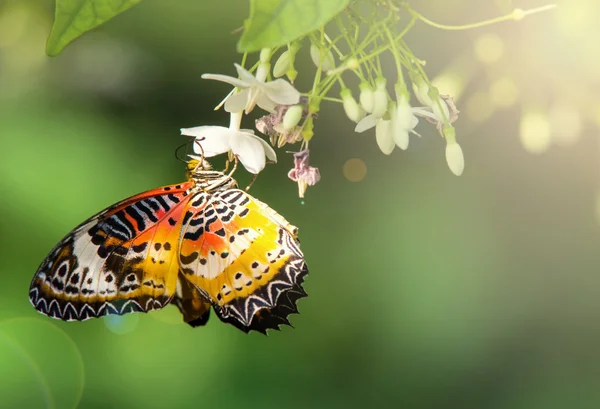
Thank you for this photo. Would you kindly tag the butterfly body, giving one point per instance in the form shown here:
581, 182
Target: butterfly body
198, 244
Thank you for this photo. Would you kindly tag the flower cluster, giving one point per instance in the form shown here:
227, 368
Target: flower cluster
356, 52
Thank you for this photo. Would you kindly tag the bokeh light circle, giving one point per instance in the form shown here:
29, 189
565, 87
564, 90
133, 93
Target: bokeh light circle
535, 132
355, 170
489, 48
44, 360
122, 324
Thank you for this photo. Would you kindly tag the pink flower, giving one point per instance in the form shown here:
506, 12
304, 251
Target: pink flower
302, 173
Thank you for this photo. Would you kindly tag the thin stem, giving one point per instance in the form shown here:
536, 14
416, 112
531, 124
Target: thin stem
516, 14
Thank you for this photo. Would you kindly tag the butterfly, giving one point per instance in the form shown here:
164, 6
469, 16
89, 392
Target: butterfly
199, 244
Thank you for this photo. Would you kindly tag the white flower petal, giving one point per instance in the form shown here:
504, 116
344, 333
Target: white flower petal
214, 140
383, 135
226, 78
367, 122
424, 112
271, 155
246, 76
264, 102
249, 151
237, 102
399, 129
281, 92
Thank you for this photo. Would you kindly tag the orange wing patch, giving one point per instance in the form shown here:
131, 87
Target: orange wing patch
118, 261
245, 256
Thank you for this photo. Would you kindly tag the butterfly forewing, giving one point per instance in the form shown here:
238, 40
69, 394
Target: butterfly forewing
121, 260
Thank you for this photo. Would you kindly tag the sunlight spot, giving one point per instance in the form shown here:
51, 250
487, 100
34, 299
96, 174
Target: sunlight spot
535, 131
121, 324
451, 83
355, 170
489, 48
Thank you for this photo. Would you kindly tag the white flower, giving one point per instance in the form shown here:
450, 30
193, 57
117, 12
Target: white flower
255, 91
403, 122
455, 158
391, 131
247, 147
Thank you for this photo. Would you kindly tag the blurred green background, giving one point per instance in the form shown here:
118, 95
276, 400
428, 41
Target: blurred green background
426, 290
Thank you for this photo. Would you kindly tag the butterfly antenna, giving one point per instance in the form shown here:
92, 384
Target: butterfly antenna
178, 150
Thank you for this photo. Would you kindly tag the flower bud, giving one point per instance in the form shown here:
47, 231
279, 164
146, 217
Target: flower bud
380, 98
353, 111
327, 63
265, 55
383, 135
292, 117
421, 90
366, 96
399, 130
455, 158
438, 106
282, 65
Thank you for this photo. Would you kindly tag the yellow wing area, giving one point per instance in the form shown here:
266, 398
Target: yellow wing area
119, 261
244, 256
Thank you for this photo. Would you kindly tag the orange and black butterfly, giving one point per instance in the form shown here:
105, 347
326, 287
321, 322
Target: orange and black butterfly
196, 244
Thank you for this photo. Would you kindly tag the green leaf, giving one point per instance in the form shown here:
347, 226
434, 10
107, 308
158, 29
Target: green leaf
72, 18
277, 22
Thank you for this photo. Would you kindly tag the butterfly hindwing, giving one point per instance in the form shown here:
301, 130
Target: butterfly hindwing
121, 260
245, 257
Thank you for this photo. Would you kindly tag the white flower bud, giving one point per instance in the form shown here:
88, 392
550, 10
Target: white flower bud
265, 55
353, 111
282, 65
380, 98
366, 96
455, 158
399, 130
421, 90
328, 62
438, 106
292, 117
383, 135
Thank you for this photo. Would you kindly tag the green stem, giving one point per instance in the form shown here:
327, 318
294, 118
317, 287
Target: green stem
516, 14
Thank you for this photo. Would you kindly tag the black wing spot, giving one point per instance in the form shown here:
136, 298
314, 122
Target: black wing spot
140, 247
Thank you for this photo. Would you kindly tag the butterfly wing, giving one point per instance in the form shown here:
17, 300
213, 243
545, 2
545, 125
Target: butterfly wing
121, 260
244, 257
